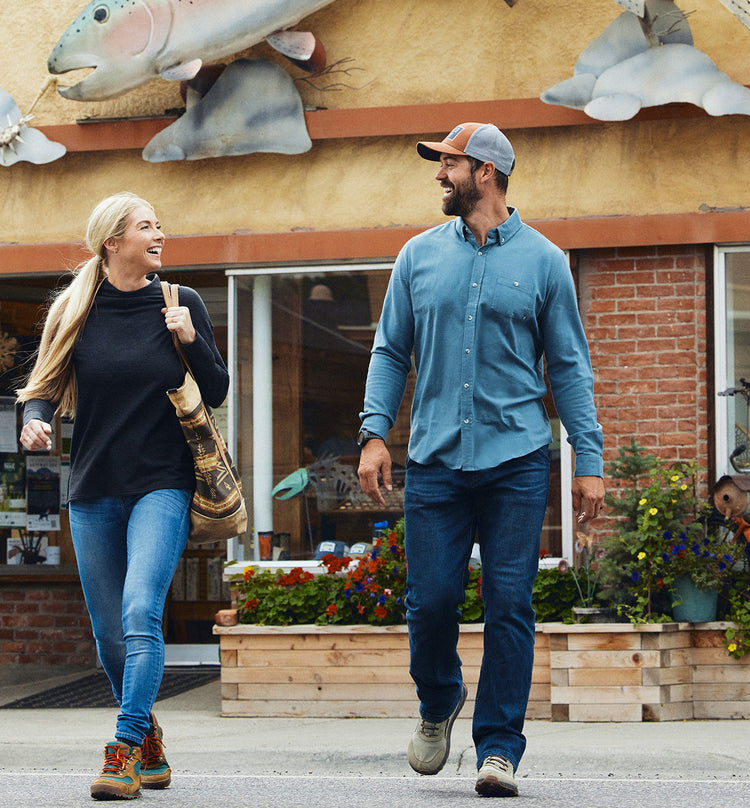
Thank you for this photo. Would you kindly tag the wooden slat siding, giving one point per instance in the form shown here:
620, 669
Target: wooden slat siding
615, 677
604, 642
604, 712
664, 672
720, 710
667, 676
605, 659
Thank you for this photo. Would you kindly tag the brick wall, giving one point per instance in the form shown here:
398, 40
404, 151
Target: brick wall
45, 624
644, 310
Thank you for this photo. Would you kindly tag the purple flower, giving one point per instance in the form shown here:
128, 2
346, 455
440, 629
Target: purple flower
636, 576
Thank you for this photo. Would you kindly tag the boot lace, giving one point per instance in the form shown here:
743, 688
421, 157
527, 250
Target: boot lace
500, 763
152, 750
115, 760
429, 729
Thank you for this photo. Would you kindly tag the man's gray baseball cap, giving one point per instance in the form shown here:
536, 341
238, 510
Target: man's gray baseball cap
483, 141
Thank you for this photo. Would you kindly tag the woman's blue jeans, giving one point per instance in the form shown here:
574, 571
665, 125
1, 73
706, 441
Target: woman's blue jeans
445, 509
127, 550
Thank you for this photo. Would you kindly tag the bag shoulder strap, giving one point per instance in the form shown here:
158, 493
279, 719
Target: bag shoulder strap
171, 292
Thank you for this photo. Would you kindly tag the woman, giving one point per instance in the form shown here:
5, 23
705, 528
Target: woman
107, 357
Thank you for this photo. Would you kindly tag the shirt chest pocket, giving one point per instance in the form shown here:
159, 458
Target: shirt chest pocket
509, 299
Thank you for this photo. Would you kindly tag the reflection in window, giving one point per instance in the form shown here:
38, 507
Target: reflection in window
321, 329
737, 290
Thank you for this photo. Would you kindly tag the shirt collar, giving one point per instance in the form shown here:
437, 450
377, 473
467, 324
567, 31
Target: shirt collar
497, 235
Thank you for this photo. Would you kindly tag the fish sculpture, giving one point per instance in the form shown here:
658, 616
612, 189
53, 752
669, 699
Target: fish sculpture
18, 141
622, 70
130, 43
232, 117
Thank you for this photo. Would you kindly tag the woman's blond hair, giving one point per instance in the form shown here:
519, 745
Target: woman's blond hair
52, 378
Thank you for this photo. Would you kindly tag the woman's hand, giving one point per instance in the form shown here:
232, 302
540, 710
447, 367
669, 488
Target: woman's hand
178, 321
35, 436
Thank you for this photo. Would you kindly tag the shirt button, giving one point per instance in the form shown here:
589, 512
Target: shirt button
474, 285
470, 317
466, 420
481, 253
502, 241
468, 351
466, 386
515, 283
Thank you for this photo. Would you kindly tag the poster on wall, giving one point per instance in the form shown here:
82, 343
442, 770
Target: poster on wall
8, 436
12, 490
43, 492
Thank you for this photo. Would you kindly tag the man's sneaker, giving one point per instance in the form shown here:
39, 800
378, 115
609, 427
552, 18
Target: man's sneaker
155, 771
120, 777
430, 744
495, 778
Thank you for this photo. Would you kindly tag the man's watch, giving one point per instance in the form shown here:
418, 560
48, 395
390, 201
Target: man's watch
364, 436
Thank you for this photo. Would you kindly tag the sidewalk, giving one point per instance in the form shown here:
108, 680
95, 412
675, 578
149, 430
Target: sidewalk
48, 757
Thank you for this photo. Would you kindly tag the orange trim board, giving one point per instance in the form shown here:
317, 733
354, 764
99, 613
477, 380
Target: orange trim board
322, 124
222, 251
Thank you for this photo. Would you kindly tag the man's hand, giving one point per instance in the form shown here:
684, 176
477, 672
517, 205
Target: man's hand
375, 459
588, 497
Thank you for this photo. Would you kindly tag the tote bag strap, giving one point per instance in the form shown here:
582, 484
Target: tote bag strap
171, 292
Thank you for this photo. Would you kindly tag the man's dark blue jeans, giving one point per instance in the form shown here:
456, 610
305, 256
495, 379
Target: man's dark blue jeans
445, 510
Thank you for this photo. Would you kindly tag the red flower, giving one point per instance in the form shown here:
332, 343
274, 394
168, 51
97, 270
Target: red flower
360, 608
543, 553
381, 611
251, 604
332, 609
248, 573
295, 576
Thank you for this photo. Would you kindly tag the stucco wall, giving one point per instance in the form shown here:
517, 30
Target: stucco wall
410, 52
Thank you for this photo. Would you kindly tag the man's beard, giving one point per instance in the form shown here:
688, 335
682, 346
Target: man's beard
463, 200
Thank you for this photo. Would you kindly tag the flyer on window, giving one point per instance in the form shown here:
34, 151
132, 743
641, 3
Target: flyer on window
8, 430
42, 492
12, 490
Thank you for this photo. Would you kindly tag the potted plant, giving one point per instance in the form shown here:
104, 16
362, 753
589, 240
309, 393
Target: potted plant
590, 607
665, 538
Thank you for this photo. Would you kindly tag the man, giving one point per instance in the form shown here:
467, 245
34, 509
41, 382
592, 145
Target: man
478, 301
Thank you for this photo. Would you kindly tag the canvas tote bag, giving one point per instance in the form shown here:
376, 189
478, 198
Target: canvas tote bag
218, 508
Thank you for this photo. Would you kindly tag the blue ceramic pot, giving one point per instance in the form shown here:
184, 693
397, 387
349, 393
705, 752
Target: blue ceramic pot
695, 605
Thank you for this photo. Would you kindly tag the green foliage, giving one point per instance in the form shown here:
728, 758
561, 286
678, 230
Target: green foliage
371, 591
554, 596
664, 532
737, 639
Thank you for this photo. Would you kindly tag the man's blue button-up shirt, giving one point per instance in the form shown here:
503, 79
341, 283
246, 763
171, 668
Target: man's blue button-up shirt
480, 321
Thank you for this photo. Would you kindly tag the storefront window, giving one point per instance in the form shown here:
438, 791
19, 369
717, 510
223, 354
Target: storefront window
299, 364
732, 338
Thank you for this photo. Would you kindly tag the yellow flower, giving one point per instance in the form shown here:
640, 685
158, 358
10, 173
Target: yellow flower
641, 556
683, 487
654, 511
732, 647
642, 501
675, 478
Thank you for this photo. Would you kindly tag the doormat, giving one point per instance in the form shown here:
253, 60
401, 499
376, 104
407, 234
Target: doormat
95, 690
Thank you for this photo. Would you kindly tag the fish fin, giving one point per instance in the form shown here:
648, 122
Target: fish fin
294, 44
183, 71
301, 48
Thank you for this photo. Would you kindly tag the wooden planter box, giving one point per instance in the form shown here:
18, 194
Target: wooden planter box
606, 672
342, 671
